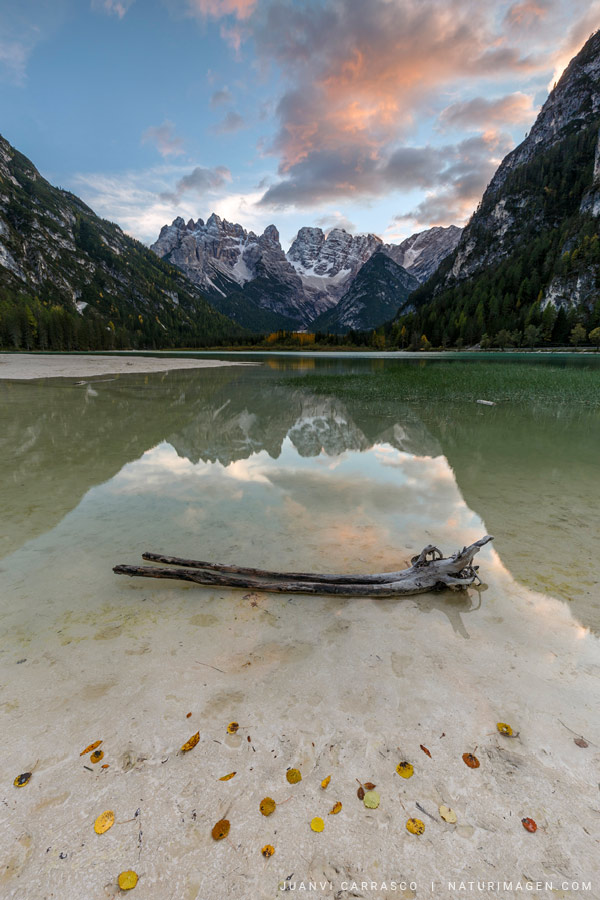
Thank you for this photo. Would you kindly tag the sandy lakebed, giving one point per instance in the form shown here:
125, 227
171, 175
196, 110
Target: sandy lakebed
216, 464
28, 366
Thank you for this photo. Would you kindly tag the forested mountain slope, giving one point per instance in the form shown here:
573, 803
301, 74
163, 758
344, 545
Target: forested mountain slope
70, 280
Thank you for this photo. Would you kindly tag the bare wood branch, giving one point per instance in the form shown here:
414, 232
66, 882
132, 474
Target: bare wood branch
429, 570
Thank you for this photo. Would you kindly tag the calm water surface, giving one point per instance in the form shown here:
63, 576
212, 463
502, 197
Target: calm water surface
249, 465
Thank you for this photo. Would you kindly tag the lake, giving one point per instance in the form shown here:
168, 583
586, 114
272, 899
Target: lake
335, 463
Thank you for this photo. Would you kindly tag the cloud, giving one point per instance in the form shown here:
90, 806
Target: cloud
164, 138
527, 13
13, 60
355, 98
221, 97
230, 124
359, 78
335, 220
198, 182
216, 9
513, 109
454, 178
117, 8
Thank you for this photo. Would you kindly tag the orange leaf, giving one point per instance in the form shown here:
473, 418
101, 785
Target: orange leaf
425, 750
189, 745
529, 825
336, 808
471, 761
221, 829
91, 747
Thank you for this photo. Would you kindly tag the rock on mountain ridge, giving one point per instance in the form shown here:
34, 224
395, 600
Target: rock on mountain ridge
421, 253
327, 263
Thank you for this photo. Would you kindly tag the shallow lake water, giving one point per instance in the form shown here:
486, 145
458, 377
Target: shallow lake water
255, 467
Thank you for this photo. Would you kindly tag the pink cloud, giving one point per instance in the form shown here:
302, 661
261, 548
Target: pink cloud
216, 9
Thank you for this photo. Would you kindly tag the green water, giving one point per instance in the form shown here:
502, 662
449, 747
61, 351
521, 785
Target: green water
301, 457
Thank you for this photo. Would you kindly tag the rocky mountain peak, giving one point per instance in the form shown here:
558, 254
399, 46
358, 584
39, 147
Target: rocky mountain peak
271, 234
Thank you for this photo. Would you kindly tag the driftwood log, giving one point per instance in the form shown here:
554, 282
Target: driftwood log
428, 571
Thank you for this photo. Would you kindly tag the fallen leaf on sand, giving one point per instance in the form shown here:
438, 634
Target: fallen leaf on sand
96, 756
503, 728
188, 716
415, 826
317, 824
232, 727
22, 780
221, 829
268, 850
104, 821
267, 806
91, 747
105, 766
325, 782
128, 880
293, 776
405, 769
227, 777
371, 799
425, 750
369, 786
335, 809
529, 825
447, 814
470, 760
581, 742
189, 745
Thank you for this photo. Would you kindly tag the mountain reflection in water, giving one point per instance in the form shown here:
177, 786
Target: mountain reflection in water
527, 477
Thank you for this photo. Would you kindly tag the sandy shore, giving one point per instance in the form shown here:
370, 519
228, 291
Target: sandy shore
27, 366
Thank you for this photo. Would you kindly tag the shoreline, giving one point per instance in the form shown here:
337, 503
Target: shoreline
30, 366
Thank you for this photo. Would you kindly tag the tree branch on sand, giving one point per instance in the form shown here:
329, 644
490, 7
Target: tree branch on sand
428, 571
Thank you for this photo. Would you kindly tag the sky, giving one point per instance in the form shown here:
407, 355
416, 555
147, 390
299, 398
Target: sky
387, 116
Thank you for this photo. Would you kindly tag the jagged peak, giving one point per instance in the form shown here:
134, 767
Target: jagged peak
271, 233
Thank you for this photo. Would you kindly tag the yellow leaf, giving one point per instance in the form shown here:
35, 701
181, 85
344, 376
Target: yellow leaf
22, 780
91, 747
336, 808
317, 824
189, 745
96, 756
104, 821
227, 777
503, 728
293, 776
325, 782
267, 806
268, 850
232, 727
415, 826
371, 799
221, 829
447, 814
128, 880
405, 770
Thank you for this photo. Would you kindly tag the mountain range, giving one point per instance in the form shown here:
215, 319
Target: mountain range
250, 278
526, 268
